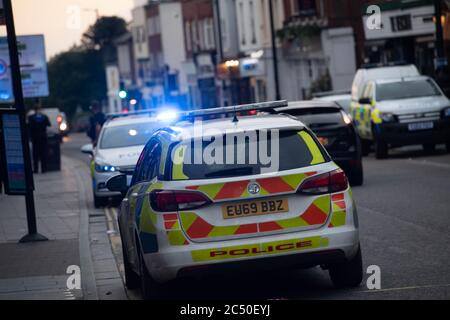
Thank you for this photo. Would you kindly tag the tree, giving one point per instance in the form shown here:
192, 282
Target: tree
102, 34
76, 77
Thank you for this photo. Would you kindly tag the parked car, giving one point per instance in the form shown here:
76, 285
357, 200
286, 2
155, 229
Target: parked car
344, 100
181, 219
403, 111
119, 146
373, 72
335, 130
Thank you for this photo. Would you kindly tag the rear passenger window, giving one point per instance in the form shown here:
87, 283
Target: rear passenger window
148, 164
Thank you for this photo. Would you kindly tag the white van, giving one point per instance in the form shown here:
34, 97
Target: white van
365, 75
403, 111
360, 81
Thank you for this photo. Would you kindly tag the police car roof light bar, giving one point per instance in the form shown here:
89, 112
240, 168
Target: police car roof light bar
263, 106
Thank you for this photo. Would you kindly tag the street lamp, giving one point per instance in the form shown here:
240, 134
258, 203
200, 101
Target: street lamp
274, 52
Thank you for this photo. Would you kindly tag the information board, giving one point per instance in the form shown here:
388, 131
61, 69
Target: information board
33, 67
12, 157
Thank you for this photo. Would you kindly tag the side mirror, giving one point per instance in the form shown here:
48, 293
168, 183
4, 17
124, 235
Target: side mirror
118, 184
365, 101
88, 149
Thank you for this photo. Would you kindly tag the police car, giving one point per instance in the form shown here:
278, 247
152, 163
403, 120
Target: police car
120, 143
404, 111
185, 215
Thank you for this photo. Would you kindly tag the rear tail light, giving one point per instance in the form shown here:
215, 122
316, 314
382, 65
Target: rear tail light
170, 201
332, 182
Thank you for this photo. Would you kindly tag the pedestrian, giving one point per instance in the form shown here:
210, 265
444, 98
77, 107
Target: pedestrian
37, 125
96, 122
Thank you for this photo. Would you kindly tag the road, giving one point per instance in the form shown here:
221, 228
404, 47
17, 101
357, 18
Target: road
404, 212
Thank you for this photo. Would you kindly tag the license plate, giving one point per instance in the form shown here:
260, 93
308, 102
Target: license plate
420, 126
255, 208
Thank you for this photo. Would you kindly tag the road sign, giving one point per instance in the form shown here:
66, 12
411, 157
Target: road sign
33, 67
12, 156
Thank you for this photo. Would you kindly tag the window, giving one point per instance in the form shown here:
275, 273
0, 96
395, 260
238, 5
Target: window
147, 167
209, 34
294, 7
195, 41
252, 22
401, 23
242, 23
187, 30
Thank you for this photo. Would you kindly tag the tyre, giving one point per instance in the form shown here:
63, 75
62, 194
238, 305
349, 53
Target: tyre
356, 175
348, 274
429, 147
132, 280
381, 149
365, 147
100, 202
150, 289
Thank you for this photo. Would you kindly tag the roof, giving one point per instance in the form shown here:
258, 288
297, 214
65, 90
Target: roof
117, 122
308, 104
401, 79
334, 97
210, 128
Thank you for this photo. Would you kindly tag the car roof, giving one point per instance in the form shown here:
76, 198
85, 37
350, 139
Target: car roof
124, 121
306, 104
401, 79
334, 97
185, 131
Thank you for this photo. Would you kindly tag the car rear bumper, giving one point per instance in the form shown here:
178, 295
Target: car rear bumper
398, 134
336, 245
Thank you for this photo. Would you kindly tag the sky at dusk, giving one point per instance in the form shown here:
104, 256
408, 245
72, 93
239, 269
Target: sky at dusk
63, 21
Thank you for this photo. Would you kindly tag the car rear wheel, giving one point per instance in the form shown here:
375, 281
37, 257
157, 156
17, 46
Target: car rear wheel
348, 274
356, 175
365, 146
132, 280
381, 149
447, 145
150, 289
429, 147
100, 202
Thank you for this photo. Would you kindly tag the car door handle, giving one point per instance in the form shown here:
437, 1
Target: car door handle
135, 195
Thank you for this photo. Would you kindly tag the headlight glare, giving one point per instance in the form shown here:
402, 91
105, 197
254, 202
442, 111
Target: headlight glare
105, 168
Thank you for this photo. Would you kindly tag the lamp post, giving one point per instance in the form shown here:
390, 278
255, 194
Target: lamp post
274, 52
440, 56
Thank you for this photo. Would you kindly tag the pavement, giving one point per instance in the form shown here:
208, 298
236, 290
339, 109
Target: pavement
403, 211
77, 236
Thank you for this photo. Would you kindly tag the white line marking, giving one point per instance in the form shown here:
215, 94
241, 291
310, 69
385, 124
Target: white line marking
430, 163
406, 288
